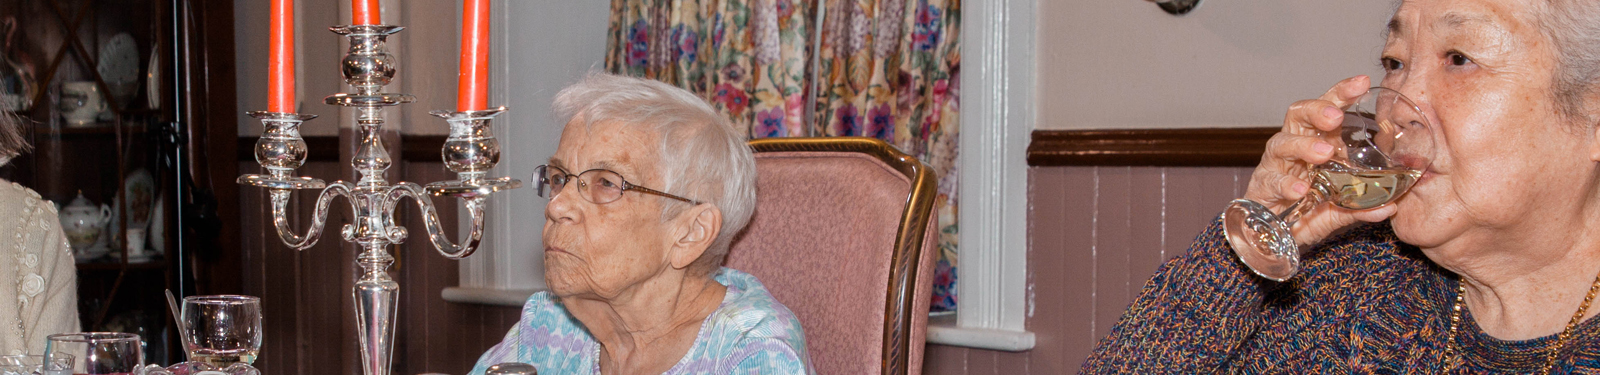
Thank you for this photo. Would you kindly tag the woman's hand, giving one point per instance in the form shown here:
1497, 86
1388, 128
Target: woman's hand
1284, 175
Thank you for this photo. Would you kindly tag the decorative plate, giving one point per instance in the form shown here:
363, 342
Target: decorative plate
152, 83
119, 66
141, 190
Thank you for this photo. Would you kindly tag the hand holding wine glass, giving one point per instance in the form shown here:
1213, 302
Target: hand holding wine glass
1356, 159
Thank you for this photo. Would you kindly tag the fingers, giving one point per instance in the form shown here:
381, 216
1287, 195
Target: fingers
1326, 112
1309, 116
1376, 214
1345, 92
1298, 148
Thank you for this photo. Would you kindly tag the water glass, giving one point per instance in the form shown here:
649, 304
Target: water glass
222, 330
97, 353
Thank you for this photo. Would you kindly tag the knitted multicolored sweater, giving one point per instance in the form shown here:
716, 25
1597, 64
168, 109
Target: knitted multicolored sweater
1362, 303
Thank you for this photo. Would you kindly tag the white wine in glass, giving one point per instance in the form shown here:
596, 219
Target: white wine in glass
1382, 148
1362, 189
222, 358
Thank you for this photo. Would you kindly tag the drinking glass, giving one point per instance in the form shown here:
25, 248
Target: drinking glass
97, 353
1382, 147
222, 330
35, 364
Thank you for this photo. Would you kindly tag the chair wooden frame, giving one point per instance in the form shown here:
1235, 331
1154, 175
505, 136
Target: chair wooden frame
899, 311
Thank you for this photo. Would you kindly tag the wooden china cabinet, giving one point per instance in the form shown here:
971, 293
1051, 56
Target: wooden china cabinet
132, 106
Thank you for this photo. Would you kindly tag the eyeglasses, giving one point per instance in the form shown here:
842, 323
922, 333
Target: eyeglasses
599, 186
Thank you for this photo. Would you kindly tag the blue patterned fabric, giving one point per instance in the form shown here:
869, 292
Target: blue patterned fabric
751, 333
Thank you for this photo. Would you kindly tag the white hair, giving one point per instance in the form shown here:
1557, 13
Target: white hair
1573, 27
702, 157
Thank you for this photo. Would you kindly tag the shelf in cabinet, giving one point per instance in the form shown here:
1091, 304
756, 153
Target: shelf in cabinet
103, 129
115, 266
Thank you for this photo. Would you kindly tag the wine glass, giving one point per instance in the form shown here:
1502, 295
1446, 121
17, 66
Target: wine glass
1382, 147
94, 353
222, 330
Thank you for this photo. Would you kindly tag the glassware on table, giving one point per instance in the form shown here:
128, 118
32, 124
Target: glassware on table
35, 364
97, 353
1382, 147
222, 330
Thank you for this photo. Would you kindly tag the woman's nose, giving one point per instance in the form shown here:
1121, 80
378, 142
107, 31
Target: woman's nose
562, 208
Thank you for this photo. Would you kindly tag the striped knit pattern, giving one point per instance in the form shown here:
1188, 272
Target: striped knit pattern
1363, 303
751, 333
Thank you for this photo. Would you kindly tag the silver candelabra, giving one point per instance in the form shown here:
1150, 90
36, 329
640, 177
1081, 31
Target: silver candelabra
470, 151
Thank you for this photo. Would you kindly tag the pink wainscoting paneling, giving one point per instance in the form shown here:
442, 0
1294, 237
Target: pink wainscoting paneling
1095, 235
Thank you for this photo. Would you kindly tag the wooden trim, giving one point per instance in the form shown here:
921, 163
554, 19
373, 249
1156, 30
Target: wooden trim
325, 148
1215, 147
906, 272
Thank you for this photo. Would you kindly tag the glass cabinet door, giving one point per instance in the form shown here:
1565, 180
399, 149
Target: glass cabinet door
91, 77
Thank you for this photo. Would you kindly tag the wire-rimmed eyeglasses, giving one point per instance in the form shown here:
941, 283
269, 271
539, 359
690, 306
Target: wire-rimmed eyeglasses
599, 186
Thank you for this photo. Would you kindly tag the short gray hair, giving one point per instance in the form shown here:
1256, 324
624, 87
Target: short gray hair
702, 157
1573, 27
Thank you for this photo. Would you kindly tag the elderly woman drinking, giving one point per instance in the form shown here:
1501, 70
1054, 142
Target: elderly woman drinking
1488, 264
647, 189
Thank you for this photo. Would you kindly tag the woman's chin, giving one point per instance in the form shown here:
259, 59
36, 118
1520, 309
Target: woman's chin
1411, 225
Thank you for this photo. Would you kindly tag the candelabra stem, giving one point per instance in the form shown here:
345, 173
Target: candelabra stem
371, 158
375, 294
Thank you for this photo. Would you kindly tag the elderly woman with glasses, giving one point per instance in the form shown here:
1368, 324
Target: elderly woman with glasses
635, 275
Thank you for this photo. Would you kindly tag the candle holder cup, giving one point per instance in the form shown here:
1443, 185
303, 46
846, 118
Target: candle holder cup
471, 151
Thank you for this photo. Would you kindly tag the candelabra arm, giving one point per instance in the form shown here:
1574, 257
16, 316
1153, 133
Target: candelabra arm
435, 228
319, 218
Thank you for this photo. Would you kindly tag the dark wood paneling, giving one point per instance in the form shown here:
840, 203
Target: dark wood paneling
326, 149
1221, 147
213, 106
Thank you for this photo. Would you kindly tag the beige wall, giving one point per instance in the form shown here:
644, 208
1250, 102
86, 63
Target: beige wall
1112, 64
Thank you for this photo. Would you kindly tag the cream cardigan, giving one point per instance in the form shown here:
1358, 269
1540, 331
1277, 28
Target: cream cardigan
36, 267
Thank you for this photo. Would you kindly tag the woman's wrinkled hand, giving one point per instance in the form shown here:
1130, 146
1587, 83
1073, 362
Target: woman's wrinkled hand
1284, 175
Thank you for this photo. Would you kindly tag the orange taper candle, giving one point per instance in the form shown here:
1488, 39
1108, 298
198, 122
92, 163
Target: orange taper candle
473, 90
280, 59
366, 12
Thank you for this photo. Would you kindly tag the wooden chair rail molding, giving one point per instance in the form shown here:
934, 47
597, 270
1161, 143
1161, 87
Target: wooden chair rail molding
1211, 147
418, 148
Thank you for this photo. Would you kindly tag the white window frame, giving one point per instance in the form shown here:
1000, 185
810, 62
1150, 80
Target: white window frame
997, 120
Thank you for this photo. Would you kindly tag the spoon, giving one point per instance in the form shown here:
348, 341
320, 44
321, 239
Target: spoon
177, 319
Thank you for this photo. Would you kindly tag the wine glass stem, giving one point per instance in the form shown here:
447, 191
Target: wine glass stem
1320, 190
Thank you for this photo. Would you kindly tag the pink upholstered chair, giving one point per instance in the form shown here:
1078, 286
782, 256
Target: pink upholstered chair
842, 236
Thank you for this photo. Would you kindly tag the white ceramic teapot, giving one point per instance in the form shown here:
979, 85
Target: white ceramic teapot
82, 222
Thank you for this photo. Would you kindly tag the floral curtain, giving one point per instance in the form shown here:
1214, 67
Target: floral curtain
886, 69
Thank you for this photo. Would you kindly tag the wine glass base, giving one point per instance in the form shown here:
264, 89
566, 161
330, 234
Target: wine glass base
1261, 240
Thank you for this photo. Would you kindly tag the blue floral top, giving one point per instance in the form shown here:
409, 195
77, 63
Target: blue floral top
751, 333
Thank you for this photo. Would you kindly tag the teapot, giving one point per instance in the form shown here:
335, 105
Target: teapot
82, 222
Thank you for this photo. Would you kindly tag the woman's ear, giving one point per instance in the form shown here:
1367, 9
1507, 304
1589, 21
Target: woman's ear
700, 226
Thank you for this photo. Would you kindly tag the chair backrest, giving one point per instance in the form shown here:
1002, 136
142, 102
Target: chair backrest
842, 236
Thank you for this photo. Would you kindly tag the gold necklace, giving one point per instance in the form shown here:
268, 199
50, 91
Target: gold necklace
1453, 356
